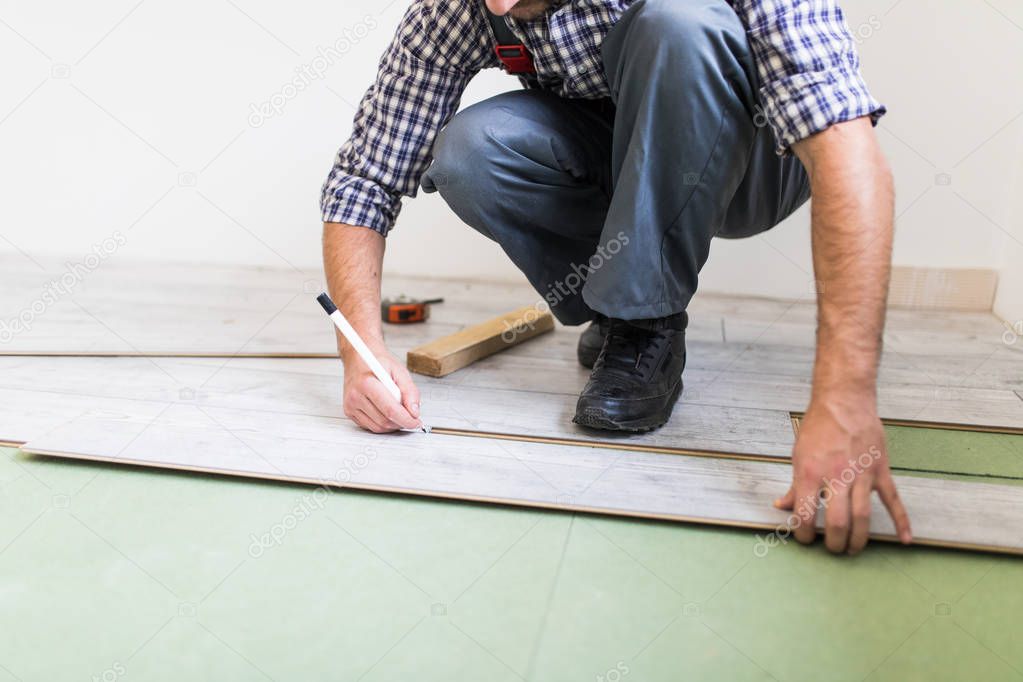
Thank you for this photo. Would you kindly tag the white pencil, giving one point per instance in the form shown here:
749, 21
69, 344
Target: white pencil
352, 336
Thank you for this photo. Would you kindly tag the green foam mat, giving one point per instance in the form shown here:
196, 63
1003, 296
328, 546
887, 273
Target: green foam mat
111, 572
951, 451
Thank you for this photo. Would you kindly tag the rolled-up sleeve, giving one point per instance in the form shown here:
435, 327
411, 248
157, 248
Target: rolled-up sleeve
438, 48
808, 67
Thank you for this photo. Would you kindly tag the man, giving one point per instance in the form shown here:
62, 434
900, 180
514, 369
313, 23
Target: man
651, 126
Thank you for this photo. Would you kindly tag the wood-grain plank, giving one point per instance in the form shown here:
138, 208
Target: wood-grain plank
913, 402
719, 411
40, 393
332, 452
163, 308
717, 382
178, 308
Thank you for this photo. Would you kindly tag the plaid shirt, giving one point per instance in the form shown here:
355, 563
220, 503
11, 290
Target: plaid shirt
805, 56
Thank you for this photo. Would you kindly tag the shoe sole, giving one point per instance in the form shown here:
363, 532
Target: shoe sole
587, 359
598, 421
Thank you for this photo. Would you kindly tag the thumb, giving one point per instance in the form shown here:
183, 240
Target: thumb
409, 390
786, 501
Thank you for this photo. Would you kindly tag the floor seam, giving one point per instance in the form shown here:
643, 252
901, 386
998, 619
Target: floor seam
530, 667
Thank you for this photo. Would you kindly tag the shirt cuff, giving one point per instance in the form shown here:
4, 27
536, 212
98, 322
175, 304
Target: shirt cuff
352, 200
803, 104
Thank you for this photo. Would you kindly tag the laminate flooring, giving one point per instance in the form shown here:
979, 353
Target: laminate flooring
164, 404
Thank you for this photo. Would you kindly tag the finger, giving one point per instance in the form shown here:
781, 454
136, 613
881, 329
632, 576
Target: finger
860, 516
381, 419
805, 502
837, 514
369, 423
786, 501
893, 503
409, 390
390, 410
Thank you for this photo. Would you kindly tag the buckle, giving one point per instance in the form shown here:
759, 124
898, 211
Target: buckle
515, 58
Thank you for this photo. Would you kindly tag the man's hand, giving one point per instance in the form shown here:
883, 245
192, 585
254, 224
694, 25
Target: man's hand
839, 459
367, 402
352, 259
840, 449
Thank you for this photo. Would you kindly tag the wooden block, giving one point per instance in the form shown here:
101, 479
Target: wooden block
447, 354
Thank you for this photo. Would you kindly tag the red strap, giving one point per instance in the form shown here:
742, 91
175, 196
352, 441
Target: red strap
515, 58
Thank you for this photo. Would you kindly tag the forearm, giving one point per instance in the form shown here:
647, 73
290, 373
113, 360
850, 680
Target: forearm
352, 260
852, 227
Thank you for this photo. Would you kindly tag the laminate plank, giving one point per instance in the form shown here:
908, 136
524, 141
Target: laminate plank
328, 451
716, 383
995, 367
763, 315
978, 366
916, 402
908, 332
37, 393
752, 431
719, 411
992, 367
181, 309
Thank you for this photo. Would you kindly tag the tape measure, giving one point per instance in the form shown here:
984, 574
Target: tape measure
405, 310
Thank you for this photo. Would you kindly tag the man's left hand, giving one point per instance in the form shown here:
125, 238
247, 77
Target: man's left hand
839, 459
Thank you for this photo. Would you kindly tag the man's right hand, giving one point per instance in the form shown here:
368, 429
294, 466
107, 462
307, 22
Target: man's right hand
353, 257
368, 403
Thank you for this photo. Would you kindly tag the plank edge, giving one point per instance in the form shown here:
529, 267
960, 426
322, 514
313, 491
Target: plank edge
526, 504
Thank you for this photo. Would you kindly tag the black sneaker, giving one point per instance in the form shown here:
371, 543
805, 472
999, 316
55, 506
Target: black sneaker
591, 341
637, 377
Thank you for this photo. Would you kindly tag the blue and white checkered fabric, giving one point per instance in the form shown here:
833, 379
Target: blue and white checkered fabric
805, 55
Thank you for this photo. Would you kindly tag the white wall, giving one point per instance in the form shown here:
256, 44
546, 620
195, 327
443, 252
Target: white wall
1009, 301
129, 116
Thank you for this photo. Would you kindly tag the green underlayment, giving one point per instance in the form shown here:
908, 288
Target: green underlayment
113, 573
949, 451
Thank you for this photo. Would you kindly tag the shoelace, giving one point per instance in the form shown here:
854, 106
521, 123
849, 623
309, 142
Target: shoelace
629, 349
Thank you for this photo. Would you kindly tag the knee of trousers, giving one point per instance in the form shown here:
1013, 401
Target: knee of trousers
694, 37
473, 158
687, 24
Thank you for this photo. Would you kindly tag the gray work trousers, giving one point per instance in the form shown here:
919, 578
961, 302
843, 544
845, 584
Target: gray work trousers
611, 205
